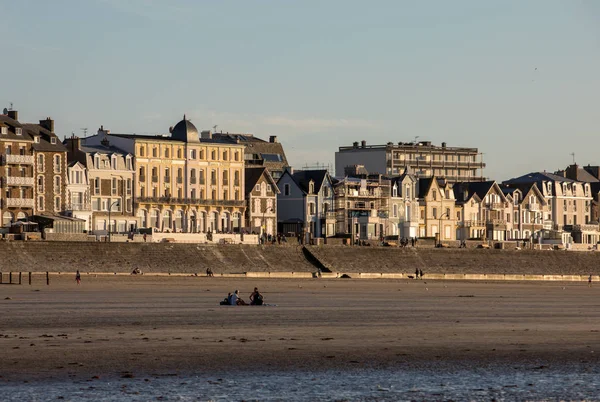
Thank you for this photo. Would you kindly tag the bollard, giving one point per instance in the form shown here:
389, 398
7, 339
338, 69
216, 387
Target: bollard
19, 278
10, 277
47, 278
30, 278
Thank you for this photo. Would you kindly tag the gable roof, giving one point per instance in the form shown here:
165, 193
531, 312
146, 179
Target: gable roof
424, 184
303, 178
538, 177
253, 174
11, 124
45, 144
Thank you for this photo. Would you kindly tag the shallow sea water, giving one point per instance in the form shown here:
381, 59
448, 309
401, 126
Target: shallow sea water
356, 385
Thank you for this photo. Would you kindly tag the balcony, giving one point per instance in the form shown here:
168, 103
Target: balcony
495, 205
142, 178
236, 182
79, 207
190, 201
225, 182
167, 179
154, 179
180, 180
19, 202
533, 207
17, 159
193, 180
496, 223
580, 228
327, 215
468, 224
19, 181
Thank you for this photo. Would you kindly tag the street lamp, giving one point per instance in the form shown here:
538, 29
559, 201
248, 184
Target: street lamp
109, 221
440, 228
267, 209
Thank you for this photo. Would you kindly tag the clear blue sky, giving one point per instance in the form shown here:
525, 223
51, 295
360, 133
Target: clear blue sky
319, 74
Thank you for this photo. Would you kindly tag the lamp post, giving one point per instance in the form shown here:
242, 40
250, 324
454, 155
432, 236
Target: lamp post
440, 228
109, 209
267, 209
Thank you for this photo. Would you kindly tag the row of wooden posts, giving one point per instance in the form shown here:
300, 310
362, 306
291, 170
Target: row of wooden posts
10, 278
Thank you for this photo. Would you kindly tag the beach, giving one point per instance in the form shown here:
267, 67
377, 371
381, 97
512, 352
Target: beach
139, 326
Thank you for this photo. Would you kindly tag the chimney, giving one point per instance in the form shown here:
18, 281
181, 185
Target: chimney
48, 124
206, 134
355, 144
443, 145
73, 145
13, 114
363, 143
273, 139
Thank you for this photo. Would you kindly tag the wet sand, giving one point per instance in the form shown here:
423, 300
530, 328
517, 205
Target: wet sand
144, 326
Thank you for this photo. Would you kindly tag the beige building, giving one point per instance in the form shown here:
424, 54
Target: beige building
184, 183
455, 164
78, 203
404, 206
261, 197
437, 216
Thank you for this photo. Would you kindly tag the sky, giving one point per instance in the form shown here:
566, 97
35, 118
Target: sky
520, 80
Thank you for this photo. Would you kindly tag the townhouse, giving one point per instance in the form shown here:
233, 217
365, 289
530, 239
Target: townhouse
261, 198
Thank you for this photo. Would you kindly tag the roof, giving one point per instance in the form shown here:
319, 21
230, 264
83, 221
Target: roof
424, 186
185, 131
253, 174
12, 124
259, 152
538, 177
45, 144
102, 149
303, 178
163, 137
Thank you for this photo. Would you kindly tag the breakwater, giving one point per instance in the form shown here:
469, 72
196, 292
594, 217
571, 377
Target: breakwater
237, 259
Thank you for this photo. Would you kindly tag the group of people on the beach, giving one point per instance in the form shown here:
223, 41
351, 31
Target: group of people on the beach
418, 273
405, 240
234, 299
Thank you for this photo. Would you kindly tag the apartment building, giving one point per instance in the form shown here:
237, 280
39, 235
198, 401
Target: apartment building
261, 198
569, 205
184, 182
110, 174
16, 169
454, 164
258, 152
50, 168
362, 204
528, 214
78, 201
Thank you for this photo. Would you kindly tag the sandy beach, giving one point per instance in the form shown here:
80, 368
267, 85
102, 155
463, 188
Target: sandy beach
143, 326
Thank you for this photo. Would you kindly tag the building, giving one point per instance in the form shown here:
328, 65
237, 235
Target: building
110, 174
184, 183
455, 164
78, 204
261, 198
16, 169
305, 204
362, 204
50, 168
404, 205
569, 205
258, 152
528, 216
437, 217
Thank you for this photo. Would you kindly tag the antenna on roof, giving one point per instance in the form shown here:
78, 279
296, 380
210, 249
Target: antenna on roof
416, 138
573, 155
84, 132
215, 127
11, 106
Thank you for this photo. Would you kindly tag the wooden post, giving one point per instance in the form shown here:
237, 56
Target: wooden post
47, 278
19, 278
10, 277
30, 278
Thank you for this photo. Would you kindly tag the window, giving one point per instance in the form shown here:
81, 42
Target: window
57, 204
166, 152
434, 195
56, 163
40, 162
225, 177
179, 153
447, 194
193, 154
434, 213
154, 152
395, 192
311, 208
193, 193
201, 154
4, 130
57, 184
213, 177
311, 188
41, 203
257, 187
141, 151
269, 188
407, 192
236, 156
448, 213
36, 139
18, 131
96, 186
114, 186
395, 210
128, 163
8, 150
52, 140
40, 184
97, 162
128, 186
224, 155
286, 189
236, 178
213, 155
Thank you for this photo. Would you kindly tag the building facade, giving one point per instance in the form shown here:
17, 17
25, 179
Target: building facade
261, 198
50, 168
437, 217
78, 202
404, 206
455, 164
184, 183
17, 200
305, 204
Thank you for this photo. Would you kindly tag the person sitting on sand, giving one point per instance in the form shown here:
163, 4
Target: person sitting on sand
256, 299
227, 300
236, 300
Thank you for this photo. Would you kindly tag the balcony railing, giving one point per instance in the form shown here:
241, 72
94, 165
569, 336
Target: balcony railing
471, 223
533, 207
19, 181
154, 179
17, 159
236, 182
201, 181
19, 202
327, 215
142, 178
193, 180
495, 205
79, 207
167, 179
180, 180
190, 201
496, 222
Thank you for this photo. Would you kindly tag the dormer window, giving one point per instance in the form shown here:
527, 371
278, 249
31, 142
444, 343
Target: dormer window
311, 188
18, 131
36, 139
52, 140
3, 130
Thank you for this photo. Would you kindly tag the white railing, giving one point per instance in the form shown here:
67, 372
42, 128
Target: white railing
19, 202
23, 159
19, 181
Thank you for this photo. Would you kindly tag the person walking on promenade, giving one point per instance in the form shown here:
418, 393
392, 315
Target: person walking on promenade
421, 273
144, 237
78, 277
412, 241
590, 281
417, 273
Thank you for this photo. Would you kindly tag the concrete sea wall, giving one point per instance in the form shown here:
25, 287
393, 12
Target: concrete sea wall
280, 261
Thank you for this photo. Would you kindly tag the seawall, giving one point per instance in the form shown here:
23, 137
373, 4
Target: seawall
275, 261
